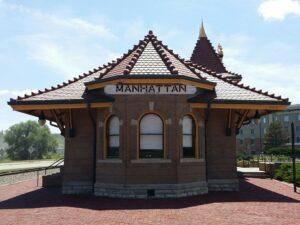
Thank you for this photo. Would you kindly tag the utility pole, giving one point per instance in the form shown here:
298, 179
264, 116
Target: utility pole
293, 156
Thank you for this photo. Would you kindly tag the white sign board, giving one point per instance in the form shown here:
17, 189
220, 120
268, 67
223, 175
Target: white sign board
174, 89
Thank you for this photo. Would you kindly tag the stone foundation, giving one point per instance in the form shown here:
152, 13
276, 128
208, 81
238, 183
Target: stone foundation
151, 190
77, 188
223, 184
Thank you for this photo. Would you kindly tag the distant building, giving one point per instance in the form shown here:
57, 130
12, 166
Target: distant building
251, 137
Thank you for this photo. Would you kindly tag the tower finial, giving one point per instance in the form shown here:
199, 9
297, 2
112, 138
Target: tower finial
220, 52
202, 31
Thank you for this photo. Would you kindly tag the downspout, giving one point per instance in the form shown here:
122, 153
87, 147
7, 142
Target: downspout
205, 135
93, 120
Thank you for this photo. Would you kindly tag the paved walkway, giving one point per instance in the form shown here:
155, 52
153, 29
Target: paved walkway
249, 169
260, 201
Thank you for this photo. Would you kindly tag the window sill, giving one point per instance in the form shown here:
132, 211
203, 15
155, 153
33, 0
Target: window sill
190, 160
150, 161
109, 161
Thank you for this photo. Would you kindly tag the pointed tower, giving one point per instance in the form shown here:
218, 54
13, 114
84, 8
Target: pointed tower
205, 55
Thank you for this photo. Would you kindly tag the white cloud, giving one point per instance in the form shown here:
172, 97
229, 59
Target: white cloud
8, 117
278, 78
278, 9
76, 24
68, 46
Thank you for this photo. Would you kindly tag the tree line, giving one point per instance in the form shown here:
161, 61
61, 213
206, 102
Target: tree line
28, 140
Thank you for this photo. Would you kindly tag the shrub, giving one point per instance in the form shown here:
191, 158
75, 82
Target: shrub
285, 173
283, 150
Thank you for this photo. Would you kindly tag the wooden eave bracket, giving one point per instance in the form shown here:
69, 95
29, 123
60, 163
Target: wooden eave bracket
60, 125
228, 126
70, 120
241, 120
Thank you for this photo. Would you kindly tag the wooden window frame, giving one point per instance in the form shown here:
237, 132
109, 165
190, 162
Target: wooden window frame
139, 135
106, 136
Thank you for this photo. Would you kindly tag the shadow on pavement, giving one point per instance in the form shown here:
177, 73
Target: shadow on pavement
52, 197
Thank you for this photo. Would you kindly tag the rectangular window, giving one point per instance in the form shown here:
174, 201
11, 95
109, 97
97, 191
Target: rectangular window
286, 128
286, 118
241, 141
264, 120
298, 117
252, 141
241, 132
297, 128
298, 139
252, 131
188, 137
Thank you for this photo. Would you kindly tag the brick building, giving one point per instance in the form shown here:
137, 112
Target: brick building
251, 136
151, 124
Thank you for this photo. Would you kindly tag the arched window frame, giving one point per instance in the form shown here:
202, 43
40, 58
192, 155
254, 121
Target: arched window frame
163, 153
194, 136
109, 152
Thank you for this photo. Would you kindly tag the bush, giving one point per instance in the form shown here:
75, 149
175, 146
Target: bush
285, 173
244, 156
283, 150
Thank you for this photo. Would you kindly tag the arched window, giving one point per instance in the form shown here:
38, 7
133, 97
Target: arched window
113, 137
151, 137
188, 137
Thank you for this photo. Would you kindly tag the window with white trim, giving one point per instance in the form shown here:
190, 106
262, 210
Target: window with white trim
151, 137
113, 137
188, 137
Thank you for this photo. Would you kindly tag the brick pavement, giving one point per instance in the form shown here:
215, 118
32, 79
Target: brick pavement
260, 201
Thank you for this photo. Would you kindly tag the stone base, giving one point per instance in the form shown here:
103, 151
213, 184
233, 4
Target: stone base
151, 190
223, 184
77, 188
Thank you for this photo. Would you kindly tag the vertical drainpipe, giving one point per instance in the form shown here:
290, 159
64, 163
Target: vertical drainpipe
93, 120
205, 135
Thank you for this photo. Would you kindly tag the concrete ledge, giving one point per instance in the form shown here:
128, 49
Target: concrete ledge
151, 190
151, 161
190, 160
15, 178
110, 161
77, 188
223, 184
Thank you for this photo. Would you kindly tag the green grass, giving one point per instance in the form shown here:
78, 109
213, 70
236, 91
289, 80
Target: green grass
285, 173
12, 170
33, 160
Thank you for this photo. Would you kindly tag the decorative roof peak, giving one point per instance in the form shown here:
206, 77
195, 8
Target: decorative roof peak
202, 33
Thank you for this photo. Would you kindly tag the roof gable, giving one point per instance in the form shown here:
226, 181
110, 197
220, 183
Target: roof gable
150, 59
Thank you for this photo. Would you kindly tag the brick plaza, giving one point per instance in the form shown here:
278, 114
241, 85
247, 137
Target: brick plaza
259, 201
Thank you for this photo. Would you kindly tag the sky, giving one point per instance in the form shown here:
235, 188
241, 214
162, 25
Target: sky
43, 43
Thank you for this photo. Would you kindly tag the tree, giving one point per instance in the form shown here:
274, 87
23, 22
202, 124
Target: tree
275, 136
25, 135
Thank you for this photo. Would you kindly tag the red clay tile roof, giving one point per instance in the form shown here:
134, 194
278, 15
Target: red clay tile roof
151, 58
228, 89
205, 55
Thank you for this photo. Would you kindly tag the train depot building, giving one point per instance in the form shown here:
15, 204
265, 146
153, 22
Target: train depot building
150, 123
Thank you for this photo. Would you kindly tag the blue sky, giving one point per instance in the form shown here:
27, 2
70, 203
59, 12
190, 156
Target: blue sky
43, 43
